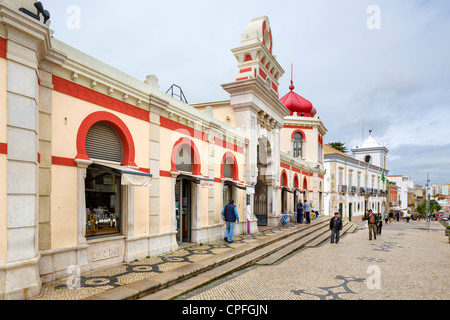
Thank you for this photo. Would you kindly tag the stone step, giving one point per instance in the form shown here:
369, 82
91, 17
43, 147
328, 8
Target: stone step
233, 259
296, 244
232, 266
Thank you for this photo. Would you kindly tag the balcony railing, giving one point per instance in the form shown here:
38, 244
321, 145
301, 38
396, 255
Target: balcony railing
342, 188
353, 189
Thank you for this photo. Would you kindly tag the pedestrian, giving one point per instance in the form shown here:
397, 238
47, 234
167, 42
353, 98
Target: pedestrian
408, 215
380, 223
398, 216
386, 218
373, 223
300, 211
231, 216
335, 227
391, 216
307, 208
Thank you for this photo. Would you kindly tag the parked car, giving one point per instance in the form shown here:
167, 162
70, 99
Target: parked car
443, 218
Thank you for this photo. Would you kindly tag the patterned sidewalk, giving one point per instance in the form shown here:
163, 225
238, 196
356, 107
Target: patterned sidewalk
112, 277
405, 262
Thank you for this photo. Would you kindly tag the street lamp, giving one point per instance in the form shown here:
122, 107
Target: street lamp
428, 205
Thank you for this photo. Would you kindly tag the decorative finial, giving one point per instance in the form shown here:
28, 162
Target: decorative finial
292, 87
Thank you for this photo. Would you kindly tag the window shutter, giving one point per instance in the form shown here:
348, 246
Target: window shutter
103, 143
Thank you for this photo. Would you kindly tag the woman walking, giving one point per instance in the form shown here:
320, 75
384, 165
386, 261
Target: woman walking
380, 224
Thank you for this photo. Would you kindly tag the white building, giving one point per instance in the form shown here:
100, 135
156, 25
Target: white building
405, 189
354, 184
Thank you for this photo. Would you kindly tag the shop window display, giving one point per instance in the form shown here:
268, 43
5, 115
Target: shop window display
103, 207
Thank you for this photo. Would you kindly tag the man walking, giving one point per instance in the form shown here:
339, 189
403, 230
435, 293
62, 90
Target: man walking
373, 223
231, 216
335, 227
307, 208
299, 211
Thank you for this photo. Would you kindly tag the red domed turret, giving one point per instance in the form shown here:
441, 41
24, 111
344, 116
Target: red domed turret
296, 103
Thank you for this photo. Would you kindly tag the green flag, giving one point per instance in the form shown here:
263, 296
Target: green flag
383, 178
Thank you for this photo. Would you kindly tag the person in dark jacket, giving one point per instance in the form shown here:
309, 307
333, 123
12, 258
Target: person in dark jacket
380, 223
299, 212
231, 216
335, 227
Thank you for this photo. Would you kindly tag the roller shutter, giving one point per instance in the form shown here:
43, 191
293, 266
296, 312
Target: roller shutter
103, 143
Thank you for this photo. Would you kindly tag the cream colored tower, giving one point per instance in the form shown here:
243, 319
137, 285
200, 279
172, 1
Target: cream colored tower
254, 98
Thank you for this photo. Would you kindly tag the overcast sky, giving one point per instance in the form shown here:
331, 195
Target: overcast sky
387, 67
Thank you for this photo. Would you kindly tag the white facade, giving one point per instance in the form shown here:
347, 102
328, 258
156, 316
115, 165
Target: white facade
405, 186
352, 185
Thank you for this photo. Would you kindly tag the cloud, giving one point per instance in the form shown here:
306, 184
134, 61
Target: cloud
394, 80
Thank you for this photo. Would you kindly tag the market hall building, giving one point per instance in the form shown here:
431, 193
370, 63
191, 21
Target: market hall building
98, 168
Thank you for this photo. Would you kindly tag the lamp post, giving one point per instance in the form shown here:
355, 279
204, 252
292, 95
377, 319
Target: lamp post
428, 205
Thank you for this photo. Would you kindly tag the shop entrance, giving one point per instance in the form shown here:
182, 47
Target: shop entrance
183, 208
349, 212
260, 203
284, 200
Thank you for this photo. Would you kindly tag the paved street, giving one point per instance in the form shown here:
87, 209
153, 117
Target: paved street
406, 262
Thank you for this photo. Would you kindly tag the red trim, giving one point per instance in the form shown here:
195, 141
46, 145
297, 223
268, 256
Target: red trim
248, 58
60, 161
3, 48
118, 125
286, 178
163, 173
196, 160
274, 87
298, 131
271, 40
183, 129
39, 157
245, 70
286, 166
262, 74
228, 145
3, 148
145, 170
305, 184
296, 181
235, 166
296, 170
77, 91
241, 79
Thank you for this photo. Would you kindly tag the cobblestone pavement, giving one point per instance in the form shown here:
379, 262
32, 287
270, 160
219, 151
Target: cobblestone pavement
405, 262
101, 280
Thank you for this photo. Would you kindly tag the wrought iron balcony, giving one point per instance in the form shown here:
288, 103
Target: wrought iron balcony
342, 188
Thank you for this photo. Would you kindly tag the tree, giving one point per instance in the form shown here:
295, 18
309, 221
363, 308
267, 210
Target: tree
340, 146
434, 207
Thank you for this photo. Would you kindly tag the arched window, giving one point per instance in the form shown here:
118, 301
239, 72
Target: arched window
298, 144
228, 167
103, 143
284, 179
184, 160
